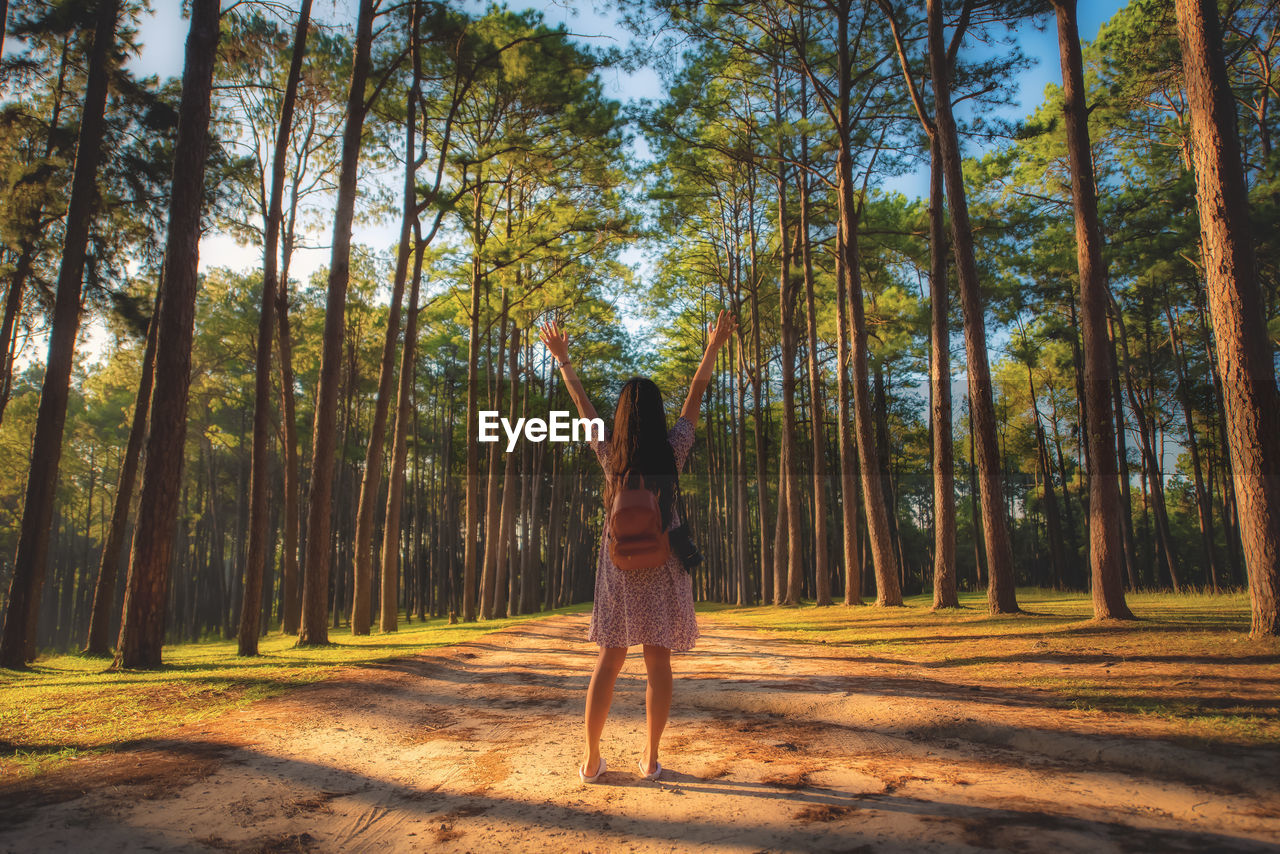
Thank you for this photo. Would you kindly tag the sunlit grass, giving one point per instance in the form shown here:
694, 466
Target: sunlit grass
1187, 661
70, 704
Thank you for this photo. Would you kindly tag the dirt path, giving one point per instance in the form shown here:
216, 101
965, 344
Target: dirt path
773, 746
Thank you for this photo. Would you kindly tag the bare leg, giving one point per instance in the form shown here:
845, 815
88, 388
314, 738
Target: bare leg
657, 700
599, 697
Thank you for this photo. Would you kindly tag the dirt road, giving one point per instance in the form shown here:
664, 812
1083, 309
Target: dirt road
773, 746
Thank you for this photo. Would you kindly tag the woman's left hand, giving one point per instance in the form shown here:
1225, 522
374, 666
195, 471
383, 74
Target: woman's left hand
718, 333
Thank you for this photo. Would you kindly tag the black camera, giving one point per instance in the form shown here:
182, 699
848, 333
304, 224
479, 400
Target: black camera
682, 547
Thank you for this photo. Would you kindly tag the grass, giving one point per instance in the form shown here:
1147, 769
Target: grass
1187, 665
69, 705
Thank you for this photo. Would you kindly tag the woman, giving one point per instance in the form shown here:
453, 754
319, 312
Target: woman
651, 607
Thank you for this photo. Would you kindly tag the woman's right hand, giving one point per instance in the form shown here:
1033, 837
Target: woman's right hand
718, 333
554, 340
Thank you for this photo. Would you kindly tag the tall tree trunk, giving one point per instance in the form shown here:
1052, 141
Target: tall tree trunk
291, 606
1245, 360
491, 519
17, 642
399, 456
758, 378
370, 483
1106, 546
259, 509
142, 628
104, 593
504, 602
822, 573
849, 496
1001, 593
822, 569
471, 549
788, 583
315, 595
944, 477
848, 276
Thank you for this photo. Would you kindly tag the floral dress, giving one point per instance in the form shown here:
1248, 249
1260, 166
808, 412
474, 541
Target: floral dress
645, 606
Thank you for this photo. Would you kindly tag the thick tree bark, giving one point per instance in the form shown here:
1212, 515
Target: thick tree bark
104, 591
142, 627
1245, 359
259, 465
1106, 545
315, 595
17, 641
944, 477
1001, 593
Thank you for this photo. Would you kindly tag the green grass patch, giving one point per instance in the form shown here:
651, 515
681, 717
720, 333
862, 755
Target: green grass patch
1187, 662
67, 705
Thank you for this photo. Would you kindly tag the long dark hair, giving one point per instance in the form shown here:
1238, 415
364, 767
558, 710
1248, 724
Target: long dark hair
639, 447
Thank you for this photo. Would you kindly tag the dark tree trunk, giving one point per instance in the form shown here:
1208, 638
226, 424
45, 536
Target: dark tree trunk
291, 606
822, 570
315, 596
399, 457
104, 593
471, 549
944, 478
848, 276
259, 466
1122, 460
787, 580
18, 639
370, 484
849, 495
142, 629
1245, 359
1106, 545
1001, 593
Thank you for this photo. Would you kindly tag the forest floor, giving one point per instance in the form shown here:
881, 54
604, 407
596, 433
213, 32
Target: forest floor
793, 730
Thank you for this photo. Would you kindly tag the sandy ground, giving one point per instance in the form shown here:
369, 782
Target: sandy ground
772, 746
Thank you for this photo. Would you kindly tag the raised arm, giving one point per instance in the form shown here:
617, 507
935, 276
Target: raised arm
558, 344
717, 334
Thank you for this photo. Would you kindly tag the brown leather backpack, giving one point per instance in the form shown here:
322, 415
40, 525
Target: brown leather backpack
636, 537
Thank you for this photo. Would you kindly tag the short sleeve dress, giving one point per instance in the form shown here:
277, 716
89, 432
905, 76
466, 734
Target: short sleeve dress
645, 606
